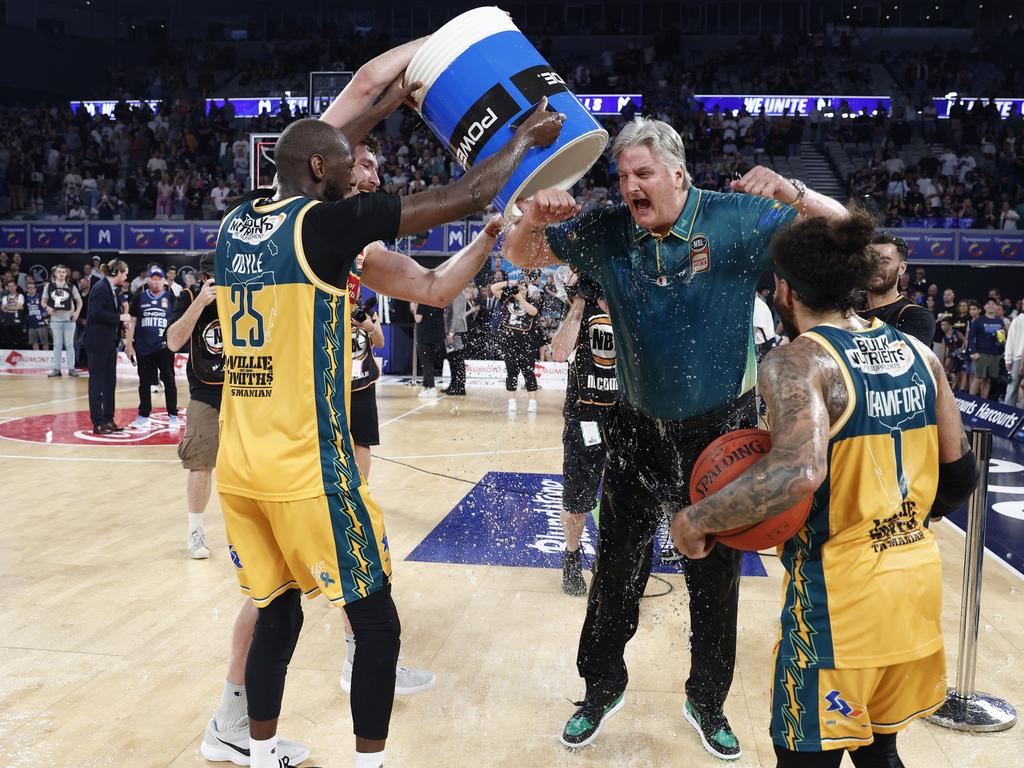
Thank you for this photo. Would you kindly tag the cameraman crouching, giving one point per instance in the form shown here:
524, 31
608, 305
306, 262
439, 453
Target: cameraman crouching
516, 338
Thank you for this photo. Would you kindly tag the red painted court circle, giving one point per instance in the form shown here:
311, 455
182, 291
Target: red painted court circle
75, 428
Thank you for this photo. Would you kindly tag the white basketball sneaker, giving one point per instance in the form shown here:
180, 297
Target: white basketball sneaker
512, 407
232, 746
195, 547
141, 422
532, 407
407, 681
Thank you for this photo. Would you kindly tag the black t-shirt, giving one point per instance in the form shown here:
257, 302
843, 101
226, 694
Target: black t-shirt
333, 234
205, 369
430, 329
904, 315
942, 312
962, 323
591, 387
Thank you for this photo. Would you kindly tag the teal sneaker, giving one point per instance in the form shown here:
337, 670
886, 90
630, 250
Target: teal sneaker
585, 724
715, 733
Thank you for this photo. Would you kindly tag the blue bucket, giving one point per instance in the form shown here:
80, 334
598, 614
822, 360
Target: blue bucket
481, 77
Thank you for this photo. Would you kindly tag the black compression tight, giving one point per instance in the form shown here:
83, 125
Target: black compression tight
880, 754
273, 642
378, 631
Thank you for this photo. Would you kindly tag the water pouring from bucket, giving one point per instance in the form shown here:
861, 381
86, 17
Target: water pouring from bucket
481, 78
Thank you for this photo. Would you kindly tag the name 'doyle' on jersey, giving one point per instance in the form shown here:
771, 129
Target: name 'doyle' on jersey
254, 230
877, 355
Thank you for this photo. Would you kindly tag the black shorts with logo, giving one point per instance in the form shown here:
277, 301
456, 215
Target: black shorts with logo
582, 467
362, 420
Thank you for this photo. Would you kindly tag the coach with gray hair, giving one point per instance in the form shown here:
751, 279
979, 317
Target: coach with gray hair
678, 266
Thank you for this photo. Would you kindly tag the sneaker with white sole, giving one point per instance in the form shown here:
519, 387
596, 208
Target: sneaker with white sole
532, 407
512, 406
715, 732
141, 422
173, 422
586, 722
195, 545
232, 746
407, 680
427, 392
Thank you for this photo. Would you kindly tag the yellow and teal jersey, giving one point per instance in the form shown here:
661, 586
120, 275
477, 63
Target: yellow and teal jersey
281, 272
863, 576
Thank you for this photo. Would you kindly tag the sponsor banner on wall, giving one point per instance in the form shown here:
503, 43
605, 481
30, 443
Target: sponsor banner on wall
1003, 420
65, 236
13, 236
930, 245
104, 236
204, 236
34, 361
774, 106
1006, 107
550, 375
431, 241
987, 246
157, 237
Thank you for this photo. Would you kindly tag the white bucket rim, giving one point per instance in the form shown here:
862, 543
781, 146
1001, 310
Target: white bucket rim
512, 210
451, 41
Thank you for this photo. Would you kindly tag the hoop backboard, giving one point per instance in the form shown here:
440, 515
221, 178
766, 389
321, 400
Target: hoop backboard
323, 87
261, 159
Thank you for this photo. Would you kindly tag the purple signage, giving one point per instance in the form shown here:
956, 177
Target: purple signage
455, 237
794, 105
514, 519
58, 237
930, 245
1006, 107
106, 106
103, 236
1003, 420
984, 246
13, 236
432, 240
157, 237
610, 104
205, 236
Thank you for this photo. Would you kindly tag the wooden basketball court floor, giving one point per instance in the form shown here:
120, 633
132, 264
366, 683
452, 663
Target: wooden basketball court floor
115, 645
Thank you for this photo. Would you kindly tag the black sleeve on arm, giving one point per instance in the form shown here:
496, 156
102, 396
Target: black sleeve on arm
957, 481
918, 322
181, 305
133, 306
333, 234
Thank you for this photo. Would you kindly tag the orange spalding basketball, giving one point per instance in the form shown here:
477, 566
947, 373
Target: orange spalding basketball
723, 461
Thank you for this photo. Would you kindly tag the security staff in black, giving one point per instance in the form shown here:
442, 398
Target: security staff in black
587, 341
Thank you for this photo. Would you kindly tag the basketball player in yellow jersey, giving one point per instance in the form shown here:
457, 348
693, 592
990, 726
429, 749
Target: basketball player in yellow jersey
863, 418
296, 516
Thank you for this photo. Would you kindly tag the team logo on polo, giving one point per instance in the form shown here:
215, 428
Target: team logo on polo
878, 355
700, 254
213, 339
254, 230
602, 341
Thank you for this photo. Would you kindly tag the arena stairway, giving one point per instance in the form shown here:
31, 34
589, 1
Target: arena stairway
818, 173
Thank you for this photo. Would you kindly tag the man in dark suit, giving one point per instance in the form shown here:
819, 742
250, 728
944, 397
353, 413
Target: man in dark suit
102, 333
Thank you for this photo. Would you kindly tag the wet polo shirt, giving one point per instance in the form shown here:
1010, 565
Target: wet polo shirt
680, 304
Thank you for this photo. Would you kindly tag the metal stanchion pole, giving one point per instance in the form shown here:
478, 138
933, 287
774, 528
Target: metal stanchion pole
415, 357
966, 709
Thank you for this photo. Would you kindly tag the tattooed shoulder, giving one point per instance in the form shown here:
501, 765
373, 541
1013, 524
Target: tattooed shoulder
807, 361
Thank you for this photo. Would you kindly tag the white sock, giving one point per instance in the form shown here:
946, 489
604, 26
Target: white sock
263, 754
195, 521
350, 647
369, 760
233, 707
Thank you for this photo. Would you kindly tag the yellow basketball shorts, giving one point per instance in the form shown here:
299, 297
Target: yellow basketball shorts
332, 544
814, 710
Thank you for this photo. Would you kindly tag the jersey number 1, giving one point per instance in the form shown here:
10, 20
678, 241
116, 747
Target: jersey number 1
242, 298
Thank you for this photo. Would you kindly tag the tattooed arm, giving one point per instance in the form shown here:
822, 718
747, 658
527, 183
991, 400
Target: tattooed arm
796, 382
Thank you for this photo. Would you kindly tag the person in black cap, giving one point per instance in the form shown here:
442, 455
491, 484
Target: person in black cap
151, 310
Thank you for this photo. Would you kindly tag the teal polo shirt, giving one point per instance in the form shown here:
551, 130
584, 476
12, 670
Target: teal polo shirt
681, 305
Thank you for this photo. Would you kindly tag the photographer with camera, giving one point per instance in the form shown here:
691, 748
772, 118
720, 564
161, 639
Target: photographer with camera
367, 336
587, 341
516, 338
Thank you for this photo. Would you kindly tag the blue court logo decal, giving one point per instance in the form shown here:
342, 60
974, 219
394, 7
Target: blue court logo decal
514, 519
